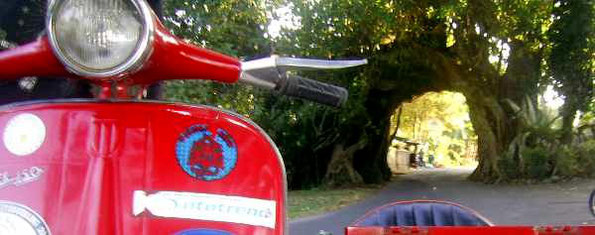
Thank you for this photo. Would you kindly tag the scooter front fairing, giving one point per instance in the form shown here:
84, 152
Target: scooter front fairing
101, 167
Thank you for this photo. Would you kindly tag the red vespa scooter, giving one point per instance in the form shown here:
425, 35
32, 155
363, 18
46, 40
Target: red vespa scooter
119, 165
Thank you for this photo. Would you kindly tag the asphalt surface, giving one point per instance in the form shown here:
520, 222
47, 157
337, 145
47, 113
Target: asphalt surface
554, 204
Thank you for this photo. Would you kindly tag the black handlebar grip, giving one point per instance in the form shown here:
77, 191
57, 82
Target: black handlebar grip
312, 90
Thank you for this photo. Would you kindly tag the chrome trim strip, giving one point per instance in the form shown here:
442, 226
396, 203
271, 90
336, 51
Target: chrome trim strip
268, 62
135, 61
257, 82
32, 212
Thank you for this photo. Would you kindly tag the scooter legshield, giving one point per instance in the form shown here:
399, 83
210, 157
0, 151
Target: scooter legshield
101, 167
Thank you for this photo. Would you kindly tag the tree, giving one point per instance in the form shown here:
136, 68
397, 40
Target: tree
572, 59
340, 29
238, 28
484, 29
233, 27
495, 53
421, 46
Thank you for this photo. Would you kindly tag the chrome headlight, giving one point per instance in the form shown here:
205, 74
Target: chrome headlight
100, 38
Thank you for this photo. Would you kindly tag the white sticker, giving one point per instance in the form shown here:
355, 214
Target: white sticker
19, 219
211, 207
24, 134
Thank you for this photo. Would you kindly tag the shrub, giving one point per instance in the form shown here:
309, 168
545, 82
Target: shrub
537, 162
509, 168
577, 160
586, 158
567, 162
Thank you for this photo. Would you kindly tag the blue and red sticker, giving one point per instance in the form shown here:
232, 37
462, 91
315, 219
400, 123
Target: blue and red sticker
205, 155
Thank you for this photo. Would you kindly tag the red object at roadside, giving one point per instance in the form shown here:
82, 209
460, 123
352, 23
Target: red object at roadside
494, 230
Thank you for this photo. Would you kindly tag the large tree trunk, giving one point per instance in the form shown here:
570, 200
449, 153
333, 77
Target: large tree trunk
487, 120
568, 112
496, 126
396, 131
493, 123
340, 169
371, 161
487, 93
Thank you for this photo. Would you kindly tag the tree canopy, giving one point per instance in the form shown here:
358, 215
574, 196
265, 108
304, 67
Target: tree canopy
500, 54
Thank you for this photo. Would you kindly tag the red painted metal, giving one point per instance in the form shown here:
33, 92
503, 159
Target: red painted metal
496, 230
172, 58
96, 154
33, 59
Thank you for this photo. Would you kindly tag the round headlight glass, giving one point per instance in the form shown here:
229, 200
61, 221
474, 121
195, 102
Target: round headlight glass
99, 38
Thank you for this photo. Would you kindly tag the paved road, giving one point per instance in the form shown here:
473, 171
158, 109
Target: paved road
563, 203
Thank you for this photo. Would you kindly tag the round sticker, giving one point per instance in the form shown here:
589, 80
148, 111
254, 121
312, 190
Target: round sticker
24, 134
206, 156
19, 219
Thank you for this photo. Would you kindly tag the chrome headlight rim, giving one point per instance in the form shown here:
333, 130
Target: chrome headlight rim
132, 63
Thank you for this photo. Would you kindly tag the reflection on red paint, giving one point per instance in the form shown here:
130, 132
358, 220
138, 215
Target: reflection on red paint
97, 154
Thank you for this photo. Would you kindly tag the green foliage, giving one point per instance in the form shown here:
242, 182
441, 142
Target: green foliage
538, 125
567, 163
232, 27
537, 162
509, 168
540, 162
491, 51
529, 153
572, 57
578, 160
537, 153
586, 158
306, 132
303, 131
442, 121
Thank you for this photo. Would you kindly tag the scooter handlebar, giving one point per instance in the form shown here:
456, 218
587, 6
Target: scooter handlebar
271, 73
312, 90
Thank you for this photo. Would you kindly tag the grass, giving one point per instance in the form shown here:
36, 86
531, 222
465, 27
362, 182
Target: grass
317, 201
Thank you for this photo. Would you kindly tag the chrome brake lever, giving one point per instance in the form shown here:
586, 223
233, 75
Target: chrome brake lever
266, 72
299, 63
